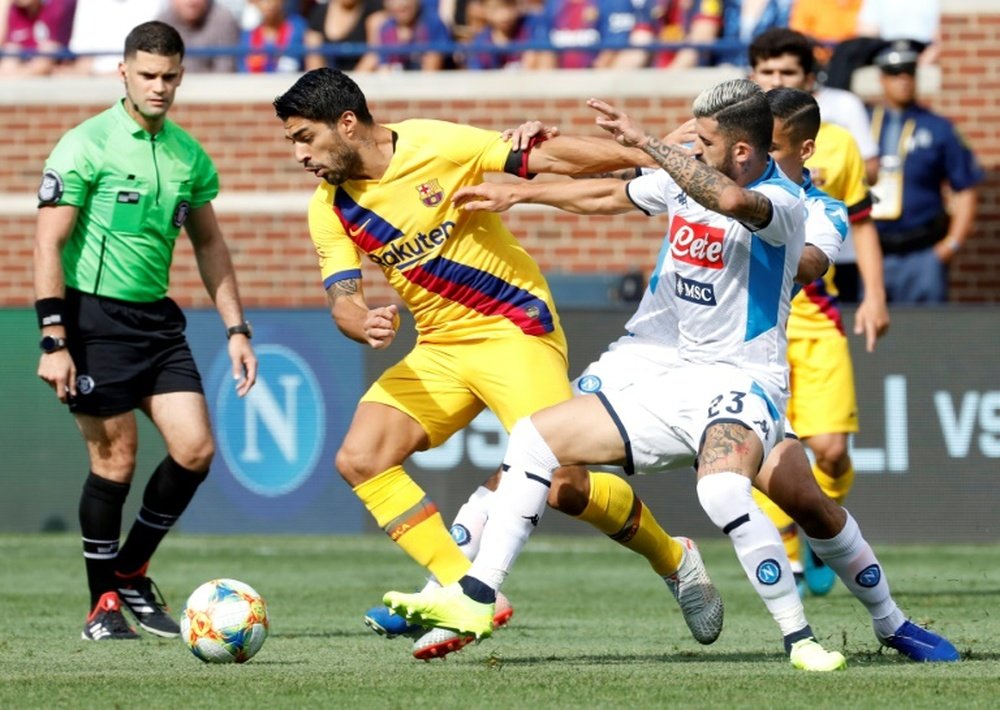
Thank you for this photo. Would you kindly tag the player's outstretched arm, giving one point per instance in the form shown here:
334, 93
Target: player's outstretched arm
706, 185
602, 196
584, 155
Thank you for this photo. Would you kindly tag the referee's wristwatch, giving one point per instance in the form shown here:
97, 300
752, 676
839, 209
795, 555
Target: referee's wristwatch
51, 343
241, 329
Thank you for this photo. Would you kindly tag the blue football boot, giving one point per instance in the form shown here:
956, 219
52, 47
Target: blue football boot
819, 577
386, 622
920, 644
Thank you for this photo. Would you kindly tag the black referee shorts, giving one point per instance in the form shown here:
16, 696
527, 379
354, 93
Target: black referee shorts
125, 352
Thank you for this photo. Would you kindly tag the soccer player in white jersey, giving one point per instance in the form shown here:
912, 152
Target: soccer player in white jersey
737, 228
786, 476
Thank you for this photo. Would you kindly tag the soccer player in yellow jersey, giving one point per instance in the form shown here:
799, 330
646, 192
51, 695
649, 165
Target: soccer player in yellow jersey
823, 408
487, 331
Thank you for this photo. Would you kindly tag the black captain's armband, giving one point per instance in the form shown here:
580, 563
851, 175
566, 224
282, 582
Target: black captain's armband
517, 161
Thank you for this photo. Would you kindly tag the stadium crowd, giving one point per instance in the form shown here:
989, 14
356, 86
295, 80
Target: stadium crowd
70, 37
361, 35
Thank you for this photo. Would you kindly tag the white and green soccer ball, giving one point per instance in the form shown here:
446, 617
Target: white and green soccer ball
224, 621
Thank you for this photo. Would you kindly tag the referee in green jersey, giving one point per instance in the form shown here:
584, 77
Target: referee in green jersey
116, 191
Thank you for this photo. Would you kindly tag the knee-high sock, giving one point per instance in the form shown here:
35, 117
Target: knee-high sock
402, 509
727, 500
851, 557
615, 510
836, 488
787, 528
518, 503
100, 513
166, 496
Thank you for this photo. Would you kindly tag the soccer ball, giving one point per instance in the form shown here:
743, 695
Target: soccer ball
224, 621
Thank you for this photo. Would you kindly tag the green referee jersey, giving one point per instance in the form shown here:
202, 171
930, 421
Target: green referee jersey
134, 191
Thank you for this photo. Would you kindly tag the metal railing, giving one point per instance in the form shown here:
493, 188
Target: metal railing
352, 49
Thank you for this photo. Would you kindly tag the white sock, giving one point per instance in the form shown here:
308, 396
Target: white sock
467, 527
518, 503
851, 557
727, 499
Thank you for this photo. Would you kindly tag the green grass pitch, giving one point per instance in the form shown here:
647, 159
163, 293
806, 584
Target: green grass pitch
593, 628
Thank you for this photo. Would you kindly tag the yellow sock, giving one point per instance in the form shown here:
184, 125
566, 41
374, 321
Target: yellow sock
836, 488
402, 509
786, 526
616, 511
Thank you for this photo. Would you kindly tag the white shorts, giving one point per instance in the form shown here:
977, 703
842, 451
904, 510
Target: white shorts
662, 406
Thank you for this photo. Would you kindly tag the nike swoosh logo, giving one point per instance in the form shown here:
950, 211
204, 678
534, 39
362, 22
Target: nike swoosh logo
352, 232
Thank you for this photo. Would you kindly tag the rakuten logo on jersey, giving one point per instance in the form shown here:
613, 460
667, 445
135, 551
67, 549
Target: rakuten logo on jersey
696, 244
695, 291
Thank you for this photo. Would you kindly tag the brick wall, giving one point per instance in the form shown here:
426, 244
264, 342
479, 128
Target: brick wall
262, 207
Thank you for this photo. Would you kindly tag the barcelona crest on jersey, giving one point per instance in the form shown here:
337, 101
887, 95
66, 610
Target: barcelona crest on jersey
431, 193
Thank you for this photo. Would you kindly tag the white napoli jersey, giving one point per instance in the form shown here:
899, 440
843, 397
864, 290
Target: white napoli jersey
827, 228
826, 223
720, 292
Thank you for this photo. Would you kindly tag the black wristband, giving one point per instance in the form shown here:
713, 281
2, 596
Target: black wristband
50, 311
241, 329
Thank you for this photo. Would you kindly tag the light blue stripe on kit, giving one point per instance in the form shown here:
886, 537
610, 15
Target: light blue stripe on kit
654, 280
759, 391
767, 272
835, 210
773, 175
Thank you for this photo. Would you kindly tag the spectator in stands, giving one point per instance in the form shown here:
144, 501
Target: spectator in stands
341, 22
302, 8
920, 231
881, 22
742, 20
674, 21
275, 33
36, 26
828, 22
245, 12
916, 20
407, 22
507, 23
4, 8
102, 25
465, 18
204, 24
584, 23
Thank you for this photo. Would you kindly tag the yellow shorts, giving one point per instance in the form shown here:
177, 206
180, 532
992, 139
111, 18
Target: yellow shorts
443, 387
823, 399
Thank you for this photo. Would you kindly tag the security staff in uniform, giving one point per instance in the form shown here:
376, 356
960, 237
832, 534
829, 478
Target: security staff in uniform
115, 193
920, 153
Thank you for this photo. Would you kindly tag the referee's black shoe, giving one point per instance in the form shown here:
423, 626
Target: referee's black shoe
106, 622
144, 600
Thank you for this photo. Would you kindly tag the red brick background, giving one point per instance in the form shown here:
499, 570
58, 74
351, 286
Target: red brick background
272, 251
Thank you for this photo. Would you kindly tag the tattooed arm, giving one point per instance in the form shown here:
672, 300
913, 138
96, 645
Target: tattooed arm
375, 327
706, 185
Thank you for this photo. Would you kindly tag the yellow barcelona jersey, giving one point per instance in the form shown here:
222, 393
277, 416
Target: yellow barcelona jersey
462, 274
838, 169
